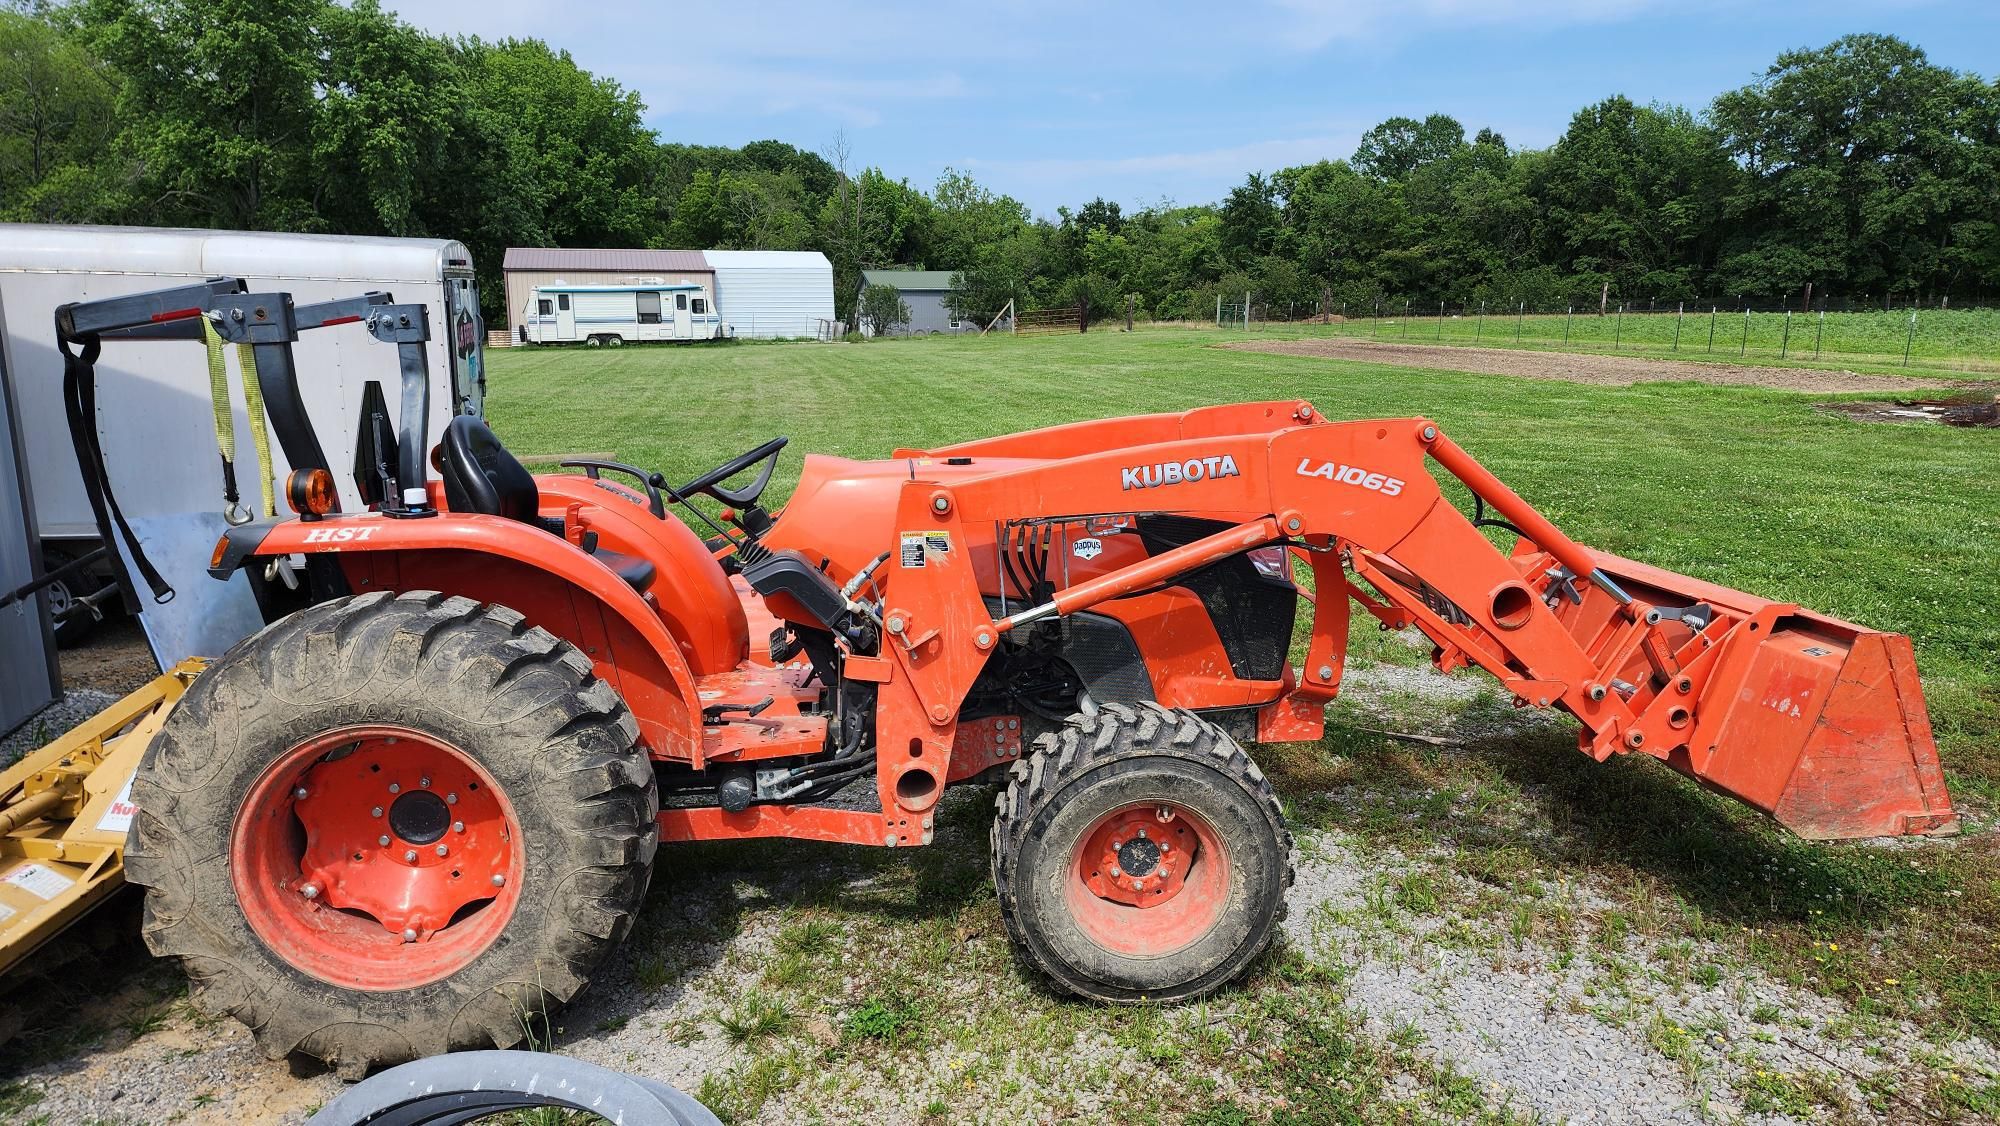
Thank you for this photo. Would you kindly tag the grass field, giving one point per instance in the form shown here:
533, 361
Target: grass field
1893, 526
1941, 340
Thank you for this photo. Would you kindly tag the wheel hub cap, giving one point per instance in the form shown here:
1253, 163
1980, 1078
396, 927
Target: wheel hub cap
1140, 857
403, 832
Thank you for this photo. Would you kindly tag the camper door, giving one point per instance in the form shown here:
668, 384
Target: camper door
683, 328
565, 318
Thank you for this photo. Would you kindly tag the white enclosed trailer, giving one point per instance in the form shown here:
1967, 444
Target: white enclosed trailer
154, 413
619, 314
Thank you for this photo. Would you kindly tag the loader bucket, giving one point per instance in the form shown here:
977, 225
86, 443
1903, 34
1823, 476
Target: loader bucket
1818, 722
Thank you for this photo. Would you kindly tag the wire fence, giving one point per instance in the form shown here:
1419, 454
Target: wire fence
1963, 339
1035, 321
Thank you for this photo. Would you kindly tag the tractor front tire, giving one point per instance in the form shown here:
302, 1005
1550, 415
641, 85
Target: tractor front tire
1139, 856
387, 827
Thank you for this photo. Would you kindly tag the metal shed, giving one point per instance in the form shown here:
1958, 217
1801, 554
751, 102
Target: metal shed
773, 294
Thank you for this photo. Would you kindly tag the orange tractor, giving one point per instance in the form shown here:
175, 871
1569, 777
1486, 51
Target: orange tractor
426, 797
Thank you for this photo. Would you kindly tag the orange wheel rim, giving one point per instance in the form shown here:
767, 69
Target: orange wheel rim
377, 858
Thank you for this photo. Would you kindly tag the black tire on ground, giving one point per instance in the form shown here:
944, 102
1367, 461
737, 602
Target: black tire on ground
1098, 764
559, 742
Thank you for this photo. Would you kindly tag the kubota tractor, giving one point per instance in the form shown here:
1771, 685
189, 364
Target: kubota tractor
426, 797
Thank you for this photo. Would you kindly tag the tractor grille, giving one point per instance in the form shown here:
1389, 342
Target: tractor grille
1253, 614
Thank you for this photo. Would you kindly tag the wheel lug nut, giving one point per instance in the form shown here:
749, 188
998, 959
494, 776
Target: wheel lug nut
442, 850
409, 934
499, 880
458, 826
1138, 885
300, 792
451, 799
395, 787
1142, 834
376, 812
310, 891
1115, 873
424, 782
383, 840
410, 856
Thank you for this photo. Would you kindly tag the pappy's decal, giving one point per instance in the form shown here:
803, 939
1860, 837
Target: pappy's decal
914, 549
1089, 547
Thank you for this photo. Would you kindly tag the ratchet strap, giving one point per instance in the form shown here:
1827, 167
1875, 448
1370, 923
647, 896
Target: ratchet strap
225, 424
80, 405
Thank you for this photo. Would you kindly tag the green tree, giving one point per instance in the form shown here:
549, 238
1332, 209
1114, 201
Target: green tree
1402, 145
1869, 167
883, 310
58, 128
1634, 195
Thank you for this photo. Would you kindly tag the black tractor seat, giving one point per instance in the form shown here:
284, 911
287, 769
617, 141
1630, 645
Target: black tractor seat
481, 476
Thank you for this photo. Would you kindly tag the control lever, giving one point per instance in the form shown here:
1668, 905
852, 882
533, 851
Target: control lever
713, 713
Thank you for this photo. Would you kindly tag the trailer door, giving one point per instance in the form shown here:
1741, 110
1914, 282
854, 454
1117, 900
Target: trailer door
565, 318
683, 330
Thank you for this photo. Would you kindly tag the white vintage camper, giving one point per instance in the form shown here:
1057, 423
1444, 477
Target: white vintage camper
612, 315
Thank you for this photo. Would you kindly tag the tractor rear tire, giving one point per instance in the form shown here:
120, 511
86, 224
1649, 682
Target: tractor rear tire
547, 864
1140, 856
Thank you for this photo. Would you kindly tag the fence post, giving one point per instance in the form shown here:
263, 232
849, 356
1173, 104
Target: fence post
1519, 321
1821, 334
1406, 318
1218, 310
1440, 334
1785, 345
1910, 339
1680, 313
1567, 314
1479, 325
1711, 330
1128, 312
1618, 332
1744, 350
1246, 310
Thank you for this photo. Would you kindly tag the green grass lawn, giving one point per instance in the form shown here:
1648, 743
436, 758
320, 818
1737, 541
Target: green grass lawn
1939, 340
1894, 526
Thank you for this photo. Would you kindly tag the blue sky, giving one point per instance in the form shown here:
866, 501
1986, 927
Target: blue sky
1055, 103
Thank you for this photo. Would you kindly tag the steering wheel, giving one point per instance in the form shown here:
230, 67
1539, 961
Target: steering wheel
711, 481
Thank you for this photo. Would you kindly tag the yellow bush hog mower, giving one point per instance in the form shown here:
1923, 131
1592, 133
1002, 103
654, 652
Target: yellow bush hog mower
426, 797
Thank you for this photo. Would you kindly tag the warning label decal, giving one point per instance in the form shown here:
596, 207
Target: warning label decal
45, 883
915, 548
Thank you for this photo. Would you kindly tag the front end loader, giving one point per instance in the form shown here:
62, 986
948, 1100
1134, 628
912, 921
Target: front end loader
426, 797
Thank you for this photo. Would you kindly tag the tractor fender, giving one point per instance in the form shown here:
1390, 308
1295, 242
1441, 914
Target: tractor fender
555, 584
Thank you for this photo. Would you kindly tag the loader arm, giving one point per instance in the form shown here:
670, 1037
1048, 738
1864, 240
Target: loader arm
1818, 722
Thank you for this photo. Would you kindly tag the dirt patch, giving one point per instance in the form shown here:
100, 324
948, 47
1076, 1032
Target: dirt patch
114, 658
1613, 371
1979, 409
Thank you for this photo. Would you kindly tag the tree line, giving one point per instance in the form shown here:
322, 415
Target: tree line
1857, 171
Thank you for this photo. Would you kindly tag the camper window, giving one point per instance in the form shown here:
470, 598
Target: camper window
649, 308
700, 306
562, 302
543, 307
680, 300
